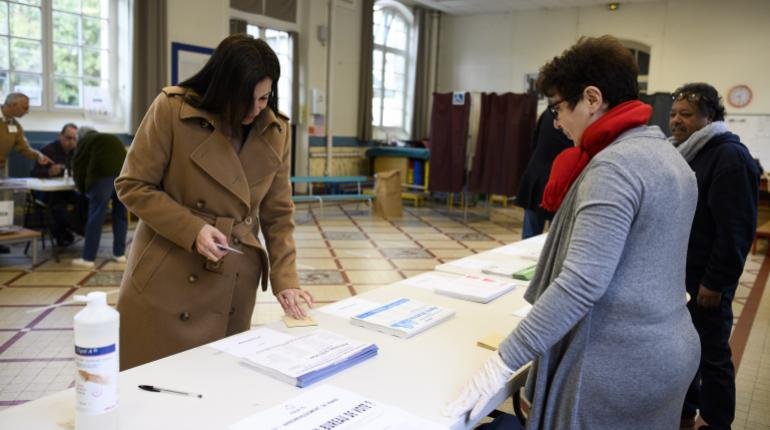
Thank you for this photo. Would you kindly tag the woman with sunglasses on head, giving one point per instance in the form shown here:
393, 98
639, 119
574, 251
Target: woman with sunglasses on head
207, 171
722, 232
611, 341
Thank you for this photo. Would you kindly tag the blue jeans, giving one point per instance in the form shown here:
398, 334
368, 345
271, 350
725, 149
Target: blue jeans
99, 196
534, 223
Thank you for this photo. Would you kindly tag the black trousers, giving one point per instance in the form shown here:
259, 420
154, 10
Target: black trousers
713, 389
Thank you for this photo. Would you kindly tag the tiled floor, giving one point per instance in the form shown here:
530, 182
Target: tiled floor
344, 253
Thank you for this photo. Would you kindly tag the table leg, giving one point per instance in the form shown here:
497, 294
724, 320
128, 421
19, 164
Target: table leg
34, 251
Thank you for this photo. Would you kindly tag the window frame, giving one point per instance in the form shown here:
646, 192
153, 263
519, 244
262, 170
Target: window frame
48, 77
262, 29
403, 132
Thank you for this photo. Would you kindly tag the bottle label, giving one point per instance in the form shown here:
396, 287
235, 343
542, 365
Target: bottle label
96, 381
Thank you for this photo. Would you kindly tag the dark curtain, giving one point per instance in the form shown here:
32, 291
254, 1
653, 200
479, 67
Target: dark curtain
504, 144
365, 72
150, 53
661, 106
427, 22
448, 136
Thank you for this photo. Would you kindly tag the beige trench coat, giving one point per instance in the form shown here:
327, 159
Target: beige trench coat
181, 172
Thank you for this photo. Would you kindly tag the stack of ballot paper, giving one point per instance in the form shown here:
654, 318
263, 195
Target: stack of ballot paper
513, 270
306, 359
330, 407
402, 317
479, 289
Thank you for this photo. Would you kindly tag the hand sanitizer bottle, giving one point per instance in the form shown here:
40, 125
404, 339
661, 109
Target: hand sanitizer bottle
96, 362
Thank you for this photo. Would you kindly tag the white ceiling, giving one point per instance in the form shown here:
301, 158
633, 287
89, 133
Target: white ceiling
478, 7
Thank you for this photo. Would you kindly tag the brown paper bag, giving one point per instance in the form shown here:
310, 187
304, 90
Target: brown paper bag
387, 194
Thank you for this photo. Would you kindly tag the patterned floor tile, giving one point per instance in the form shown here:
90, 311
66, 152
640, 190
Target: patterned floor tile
411, 273
15, 264
451, 254
429, 236
388, 236
32, 296
481, 245
441, 244
316, 264
266, 313
373, 276
304, 243
348, 244
328, 293
364, 263
19, 380
395, 244
405, 253
51, 278
320, 277
358, 253
363, 288
113, 266
415, 263
313, 252
4, 337
16, 317
105, 278
466, 236
60, 318
41, 344
7, 276
341, 232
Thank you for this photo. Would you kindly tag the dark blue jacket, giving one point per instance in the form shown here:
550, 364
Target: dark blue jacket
726, 215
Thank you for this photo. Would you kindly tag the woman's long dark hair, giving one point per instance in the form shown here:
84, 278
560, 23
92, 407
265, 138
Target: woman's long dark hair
225, 85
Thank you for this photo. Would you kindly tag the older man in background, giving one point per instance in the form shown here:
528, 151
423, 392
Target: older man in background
12, 138
722, 231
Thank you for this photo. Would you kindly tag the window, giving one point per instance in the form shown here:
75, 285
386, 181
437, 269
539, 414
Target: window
391, 69
283, 45
58, 52
641, 53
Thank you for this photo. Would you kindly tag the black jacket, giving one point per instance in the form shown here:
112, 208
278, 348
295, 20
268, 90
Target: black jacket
726, 215
548, 142
56, 153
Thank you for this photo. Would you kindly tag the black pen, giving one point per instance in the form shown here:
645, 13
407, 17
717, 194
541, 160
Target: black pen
165, 390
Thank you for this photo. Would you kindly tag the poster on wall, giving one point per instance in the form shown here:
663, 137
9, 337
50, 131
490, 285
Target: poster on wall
186, 60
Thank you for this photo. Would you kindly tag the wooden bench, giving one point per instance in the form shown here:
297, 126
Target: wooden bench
23, 235
337, 197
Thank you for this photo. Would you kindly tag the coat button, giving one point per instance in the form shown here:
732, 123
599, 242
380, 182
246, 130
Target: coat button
200, 204
184, 316
232, 311
247, 220
236, 241
192, 278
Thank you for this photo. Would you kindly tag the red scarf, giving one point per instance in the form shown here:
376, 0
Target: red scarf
570, 162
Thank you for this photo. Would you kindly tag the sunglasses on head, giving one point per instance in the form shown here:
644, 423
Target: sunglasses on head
684, 95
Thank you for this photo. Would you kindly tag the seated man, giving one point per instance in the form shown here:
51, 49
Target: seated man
60, 152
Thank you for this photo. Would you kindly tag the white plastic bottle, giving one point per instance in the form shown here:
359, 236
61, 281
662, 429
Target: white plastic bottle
96, 362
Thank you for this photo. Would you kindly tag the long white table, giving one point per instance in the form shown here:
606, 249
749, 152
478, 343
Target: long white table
418, 375
38, 184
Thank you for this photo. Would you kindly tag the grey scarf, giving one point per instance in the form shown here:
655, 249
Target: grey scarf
690, 147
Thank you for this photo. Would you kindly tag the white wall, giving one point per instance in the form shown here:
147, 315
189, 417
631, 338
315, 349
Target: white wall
722, 43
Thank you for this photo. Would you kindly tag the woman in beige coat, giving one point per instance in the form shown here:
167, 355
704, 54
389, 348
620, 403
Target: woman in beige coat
208, 168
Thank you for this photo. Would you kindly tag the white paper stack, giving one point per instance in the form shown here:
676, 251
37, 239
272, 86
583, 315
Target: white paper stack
402, 317
480, 289
306, 359
330, 407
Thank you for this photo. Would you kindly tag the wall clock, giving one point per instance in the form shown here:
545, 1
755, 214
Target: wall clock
739, 96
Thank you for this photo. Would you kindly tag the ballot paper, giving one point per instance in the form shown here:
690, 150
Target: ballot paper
402, 317
480, 289
243, 344
427, 280
348, 307
330, 407
306, 359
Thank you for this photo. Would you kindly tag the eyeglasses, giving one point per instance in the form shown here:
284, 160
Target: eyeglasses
692, 97
552, 108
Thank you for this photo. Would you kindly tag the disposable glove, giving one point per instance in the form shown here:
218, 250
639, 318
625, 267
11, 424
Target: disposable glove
480, 388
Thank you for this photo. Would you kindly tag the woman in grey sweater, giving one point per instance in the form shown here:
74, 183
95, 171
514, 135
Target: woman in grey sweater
612, 344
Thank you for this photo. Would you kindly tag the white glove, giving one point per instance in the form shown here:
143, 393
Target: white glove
478, 391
